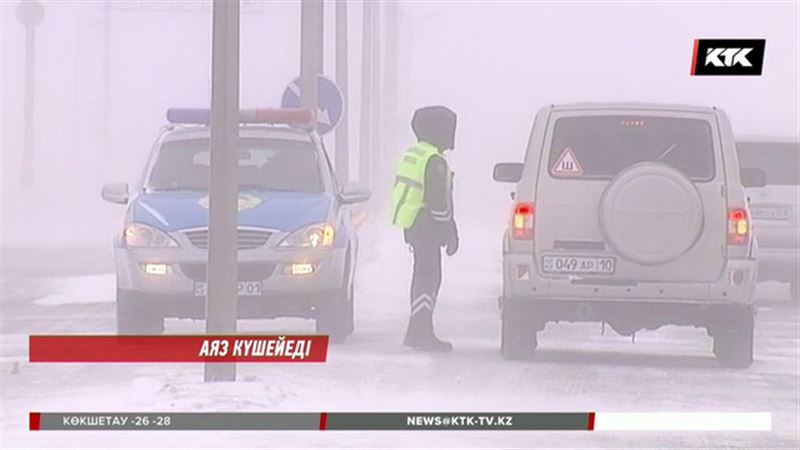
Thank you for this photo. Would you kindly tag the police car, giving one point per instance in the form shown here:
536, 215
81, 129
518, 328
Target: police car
297, 242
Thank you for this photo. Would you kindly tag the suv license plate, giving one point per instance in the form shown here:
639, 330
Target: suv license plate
777, 213
578, 264
245, 288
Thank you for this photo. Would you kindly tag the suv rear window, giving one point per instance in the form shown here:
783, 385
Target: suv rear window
780, 161
602, 146
263, 164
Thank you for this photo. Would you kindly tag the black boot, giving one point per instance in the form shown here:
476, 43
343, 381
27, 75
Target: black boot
434, 344
421, 307
431, 343
414, 336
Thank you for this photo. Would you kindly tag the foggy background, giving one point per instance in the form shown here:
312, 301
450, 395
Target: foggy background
494, 63
105, 74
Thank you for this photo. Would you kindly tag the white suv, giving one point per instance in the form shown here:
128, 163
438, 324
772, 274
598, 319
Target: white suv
775, 207
633, 215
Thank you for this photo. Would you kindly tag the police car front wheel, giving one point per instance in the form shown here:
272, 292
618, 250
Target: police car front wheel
135, 317
336, 318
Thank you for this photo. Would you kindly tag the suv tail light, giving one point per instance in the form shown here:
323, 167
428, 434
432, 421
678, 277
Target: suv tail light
522, 221
738, 226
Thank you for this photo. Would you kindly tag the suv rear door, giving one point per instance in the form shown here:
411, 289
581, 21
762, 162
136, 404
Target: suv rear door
624, 196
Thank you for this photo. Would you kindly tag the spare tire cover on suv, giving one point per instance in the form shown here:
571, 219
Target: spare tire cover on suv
651, 213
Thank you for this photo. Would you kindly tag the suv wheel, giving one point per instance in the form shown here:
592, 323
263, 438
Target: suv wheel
734, 347
518, 338
135, 317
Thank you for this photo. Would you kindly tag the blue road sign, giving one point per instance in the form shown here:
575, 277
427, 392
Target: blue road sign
330, 103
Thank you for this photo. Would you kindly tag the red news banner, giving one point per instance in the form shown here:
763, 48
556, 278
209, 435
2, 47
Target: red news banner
178, 349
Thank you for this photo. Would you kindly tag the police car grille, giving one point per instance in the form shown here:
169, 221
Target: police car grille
248, 238
246, 271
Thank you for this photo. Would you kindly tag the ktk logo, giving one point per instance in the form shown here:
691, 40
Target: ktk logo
733, 56
728, 56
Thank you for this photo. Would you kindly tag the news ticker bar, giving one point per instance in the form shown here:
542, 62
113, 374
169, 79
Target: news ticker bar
176, 349
361, 421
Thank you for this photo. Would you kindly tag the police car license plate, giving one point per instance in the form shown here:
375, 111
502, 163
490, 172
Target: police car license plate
245, 288
578, 264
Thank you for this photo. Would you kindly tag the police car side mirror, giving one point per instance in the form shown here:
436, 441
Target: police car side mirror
508, 172
752, 177
115, 193
354, 193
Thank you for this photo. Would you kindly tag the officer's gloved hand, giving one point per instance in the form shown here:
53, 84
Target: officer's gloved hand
452, 245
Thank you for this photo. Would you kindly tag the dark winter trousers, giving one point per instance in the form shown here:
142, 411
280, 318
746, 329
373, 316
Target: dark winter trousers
425, 283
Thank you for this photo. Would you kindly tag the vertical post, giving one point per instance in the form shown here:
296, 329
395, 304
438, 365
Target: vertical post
391, 89
365, 135
78, 108
342, 159
106, 76
27, 145
221, 301
311, 23
377, 113
29, 13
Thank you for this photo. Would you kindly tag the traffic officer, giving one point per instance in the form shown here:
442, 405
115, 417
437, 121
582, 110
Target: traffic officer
423, 206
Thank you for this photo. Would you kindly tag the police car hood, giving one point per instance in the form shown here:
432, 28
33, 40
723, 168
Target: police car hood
285, 211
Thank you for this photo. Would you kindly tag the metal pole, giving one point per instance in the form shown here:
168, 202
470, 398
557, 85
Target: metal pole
392, 58
27, 158
106, 76
76, 117
311, 17
342, 159
377, 122
221, 301
365, 143
29, 13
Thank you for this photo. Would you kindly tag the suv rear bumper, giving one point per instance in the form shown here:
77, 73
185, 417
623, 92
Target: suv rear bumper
627, 317
521, 279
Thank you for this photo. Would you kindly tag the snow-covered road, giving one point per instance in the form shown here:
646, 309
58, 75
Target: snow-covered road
575, 369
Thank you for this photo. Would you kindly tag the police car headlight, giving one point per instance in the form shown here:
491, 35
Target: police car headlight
140, 235
312, 236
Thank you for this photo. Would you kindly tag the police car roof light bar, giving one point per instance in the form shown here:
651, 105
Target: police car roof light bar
285, 116
189, 115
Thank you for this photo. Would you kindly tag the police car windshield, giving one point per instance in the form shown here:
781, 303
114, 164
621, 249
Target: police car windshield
264, 165
601, 146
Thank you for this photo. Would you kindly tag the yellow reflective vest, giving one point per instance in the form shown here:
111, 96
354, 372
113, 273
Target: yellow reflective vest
408, 196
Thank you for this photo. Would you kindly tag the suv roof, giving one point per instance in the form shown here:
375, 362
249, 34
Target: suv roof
632, 105
759, 139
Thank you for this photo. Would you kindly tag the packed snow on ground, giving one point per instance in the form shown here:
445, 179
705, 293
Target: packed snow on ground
82, 289
576, 369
